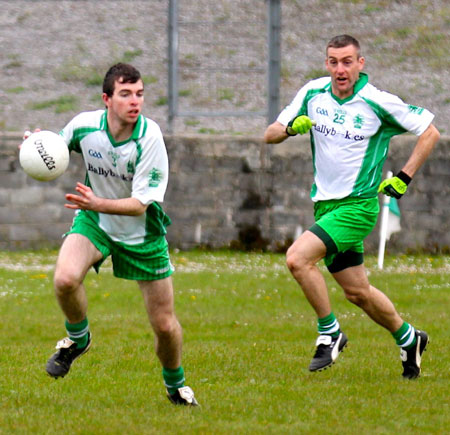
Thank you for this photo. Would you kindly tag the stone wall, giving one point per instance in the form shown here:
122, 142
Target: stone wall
229, 191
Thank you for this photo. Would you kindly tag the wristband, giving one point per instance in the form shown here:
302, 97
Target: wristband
290, 131
404, 177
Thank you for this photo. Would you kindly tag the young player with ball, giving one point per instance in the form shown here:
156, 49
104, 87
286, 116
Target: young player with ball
117, 214
354, 122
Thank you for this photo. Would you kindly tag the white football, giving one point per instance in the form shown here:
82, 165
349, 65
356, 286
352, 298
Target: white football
44, 155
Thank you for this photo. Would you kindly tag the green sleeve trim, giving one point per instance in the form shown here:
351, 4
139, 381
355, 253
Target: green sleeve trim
309, 95
78, 135
390, 125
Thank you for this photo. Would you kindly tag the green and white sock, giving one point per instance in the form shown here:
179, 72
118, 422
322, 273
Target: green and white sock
173, 379
328, 325
78, 332
406, 336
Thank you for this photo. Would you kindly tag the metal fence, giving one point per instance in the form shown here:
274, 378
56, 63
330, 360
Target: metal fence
225, 57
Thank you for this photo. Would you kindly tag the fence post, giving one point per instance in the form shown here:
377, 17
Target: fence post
274, 38
172, 92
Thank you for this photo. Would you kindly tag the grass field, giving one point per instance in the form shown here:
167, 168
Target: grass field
249, 336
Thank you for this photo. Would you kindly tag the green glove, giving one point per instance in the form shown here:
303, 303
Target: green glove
299, 125
395, 186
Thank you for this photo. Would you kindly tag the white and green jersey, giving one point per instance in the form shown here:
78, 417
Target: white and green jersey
351, 139
137, 168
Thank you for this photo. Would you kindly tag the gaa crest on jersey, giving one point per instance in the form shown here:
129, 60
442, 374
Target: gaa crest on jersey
114, 157
154, 177
358, 121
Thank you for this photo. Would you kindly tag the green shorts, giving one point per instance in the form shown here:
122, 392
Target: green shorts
146, 261
343, 225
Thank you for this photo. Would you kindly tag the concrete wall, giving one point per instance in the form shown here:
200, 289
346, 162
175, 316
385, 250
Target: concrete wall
229, 191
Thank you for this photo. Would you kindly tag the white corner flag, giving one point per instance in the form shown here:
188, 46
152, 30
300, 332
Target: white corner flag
390, 223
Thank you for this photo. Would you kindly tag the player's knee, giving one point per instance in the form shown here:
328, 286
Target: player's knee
164, 324
294, 260
65, 282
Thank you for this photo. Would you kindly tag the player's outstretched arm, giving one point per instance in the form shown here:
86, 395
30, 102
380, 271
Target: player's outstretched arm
299, 125
87, 200
397, 186
275, 133
425, 144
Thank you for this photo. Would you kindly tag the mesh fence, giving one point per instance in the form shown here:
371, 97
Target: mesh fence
222, 57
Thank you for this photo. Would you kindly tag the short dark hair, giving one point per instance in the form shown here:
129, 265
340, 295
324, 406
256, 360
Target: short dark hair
341, 41
121, 72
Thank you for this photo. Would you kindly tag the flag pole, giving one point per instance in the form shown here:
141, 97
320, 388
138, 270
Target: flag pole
384, 226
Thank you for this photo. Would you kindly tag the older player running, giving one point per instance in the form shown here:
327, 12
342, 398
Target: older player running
354, 123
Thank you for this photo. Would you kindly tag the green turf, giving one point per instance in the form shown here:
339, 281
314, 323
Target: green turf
249, 336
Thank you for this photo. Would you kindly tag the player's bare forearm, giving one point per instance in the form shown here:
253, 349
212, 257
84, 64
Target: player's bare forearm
87, 200
275, 133
425, 144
